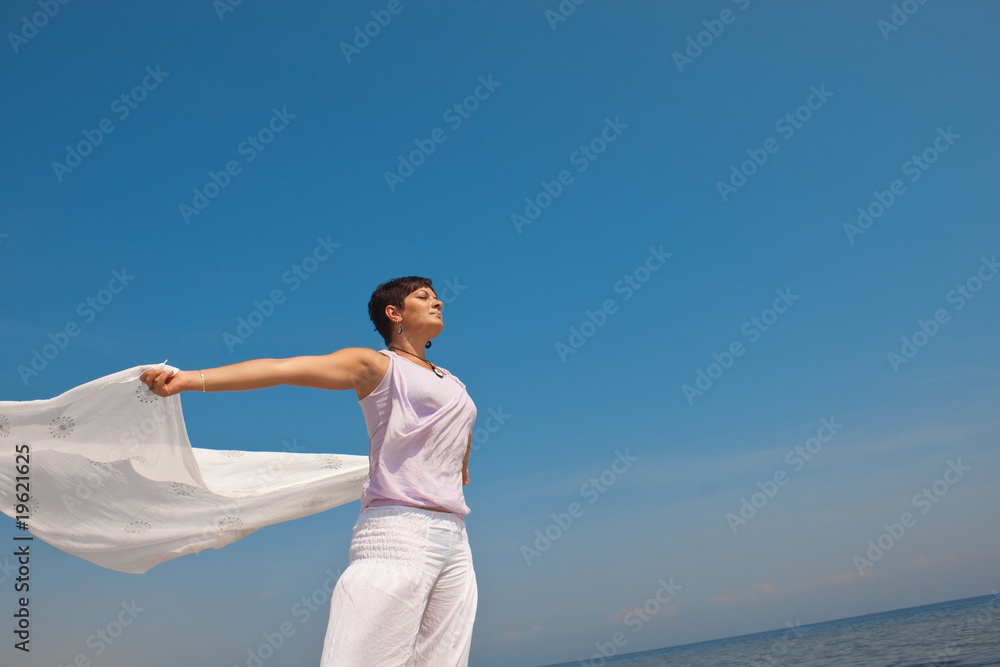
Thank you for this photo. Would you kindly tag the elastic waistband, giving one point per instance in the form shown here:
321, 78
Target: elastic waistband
450, 517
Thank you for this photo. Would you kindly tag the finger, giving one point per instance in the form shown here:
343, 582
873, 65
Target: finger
168, 377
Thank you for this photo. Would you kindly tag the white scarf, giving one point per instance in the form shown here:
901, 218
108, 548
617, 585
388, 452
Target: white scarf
112, 477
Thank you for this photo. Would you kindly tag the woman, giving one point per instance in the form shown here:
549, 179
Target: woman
409, 594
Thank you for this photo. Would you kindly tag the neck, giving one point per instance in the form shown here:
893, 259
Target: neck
414, 347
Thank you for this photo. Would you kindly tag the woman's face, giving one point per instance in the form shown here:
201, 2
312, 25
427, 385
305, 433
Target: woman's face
422, 311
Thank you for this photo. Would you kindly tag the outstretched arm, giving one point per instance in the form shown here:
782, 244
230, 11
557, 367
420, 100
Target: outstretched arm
343, 369
465, 462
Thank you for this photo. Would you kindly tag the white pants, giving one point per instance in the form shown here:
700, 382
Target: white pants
408, 596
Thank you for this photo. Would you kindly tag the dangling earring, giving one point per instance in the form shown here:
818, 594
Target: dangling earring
428, 344
400, 326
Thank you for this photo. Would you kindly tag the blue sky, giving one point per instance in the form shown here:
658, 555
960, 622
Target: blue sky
833, 110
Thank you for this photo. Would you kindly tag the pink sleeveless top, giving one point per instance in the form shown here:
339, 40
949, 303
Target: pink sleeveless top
418, 430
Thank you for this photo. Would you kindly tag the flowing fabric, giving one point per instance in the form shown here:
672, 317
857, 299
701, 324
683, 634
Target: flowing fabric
106, 472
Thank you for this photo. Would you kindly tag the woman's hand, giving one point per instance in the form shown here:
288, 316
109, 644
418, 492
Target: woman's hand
465, 461
165, 383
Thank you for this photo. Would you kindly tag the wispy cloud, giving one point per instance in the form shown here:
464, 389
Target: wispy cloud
618, 617
756, 592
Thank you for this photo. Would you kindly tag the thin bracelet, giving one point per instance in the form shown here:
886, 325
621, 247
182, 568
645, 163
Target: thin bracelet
202, 380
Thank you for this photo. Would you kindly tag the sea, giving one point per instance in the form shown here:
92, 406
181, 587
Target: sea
960, 633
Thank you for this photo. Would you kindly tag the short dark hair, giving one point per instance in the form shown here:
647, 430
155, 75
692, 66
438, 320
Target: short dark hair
392, 292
